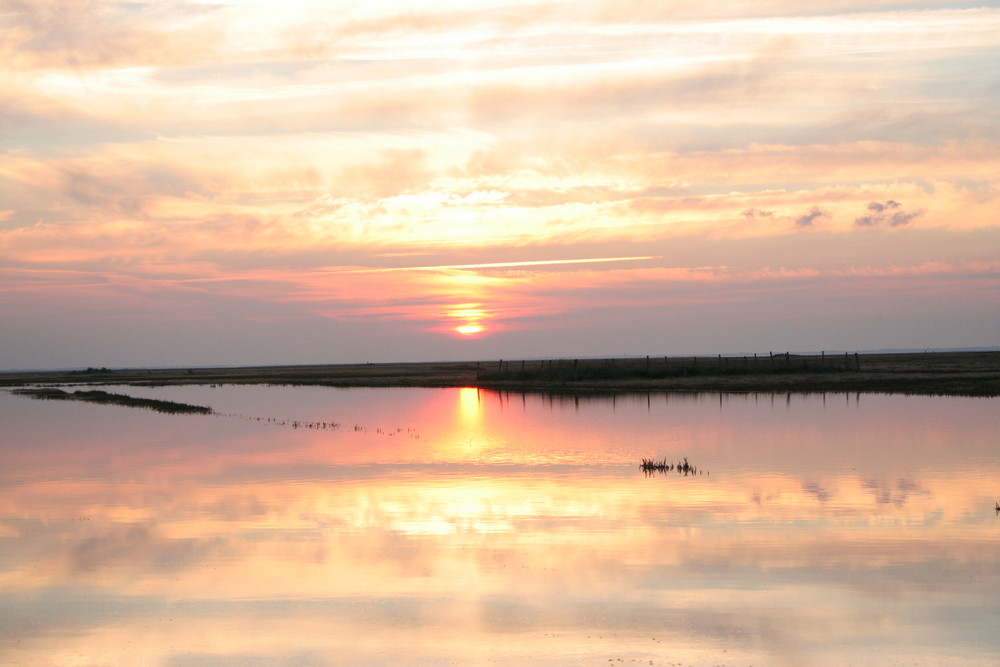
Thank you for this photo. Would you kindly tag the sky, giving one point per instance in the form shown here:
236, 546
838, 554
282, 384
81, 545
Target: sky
236, 183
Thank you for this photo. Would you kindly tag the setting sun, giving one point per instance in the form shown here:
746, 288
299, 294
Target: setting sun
469, 329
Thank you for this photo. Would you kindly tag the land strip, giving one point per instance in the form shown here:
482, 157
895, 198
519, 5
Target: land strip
933, 373
106, 398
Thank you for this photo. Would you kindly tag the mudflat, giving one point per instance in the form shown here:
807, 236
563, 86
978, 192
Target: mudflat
938, 373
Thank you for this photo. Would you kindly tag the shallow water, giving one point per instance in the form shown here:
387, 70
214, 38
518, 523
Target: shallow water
315, 526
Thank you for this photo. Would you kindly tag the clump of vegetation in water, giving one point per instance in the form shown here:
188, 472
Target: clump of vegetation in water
95, 396
682, 468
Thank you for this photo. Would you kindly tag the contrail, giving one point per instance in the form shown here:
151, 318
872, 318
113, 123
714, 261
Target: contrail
501, 265
436, 267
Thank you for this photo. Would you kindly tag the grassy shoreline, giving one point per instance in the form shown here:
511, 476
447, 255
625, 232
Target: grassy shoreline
931, 373
106, 398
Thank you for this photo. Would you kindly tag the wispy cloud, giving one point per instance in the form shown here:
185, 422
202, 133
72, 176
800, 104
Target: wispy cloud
501, 265
810, 218
753, 213
889, 213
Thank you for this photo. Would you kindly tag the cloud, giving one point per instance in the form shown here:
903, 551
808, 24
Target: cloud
140, 140
752, 213
84, 34
888, 213
879, 207
809, 218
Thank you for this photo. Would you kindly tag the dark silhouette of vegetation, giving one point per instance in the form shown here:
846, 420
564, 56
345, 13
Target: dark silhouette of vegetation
649, 368
930, 373
650, 466
954, 373
94, 396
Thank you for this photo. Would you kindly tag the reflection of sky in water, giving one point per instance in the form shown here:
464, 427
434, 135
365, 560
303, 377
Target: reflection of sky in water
465, 526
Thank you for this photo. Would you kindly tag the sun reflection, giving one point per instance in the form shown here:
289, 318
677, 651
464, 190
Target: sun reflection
470, 406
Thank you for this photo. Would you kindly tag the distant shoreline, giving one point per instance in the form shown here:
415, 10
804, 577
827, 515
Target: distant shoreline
929, 373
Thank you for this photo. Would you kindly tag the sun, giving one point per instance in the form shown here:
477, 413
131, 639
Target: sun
470, 317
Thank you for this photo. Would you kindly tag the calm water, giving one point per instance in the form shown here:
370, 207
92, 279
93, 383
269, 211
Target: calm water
460, 527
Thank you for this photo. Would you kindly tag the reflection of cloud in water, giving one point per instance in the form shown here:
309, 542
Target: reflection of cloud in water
240, 545
896, 494
814, 489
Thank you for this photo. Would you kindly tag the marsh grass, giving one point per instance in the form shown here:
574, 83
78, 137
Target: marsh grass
929, 373
965, 373
107, 398
658, 368
650, 466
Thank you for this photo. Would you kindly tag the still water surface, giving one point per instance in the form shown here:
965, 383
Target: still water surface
318, 526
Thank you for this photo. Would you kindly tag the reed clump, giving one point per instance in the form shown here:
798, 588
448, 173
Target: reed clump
664, 466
